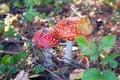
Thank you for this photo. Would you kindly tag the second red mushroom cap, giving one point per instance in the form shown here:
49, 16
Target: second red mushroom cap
67, 28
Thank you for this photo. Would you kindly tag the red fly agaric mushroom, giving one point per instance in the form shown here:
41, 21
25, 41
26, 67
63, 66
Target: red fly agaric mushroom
46, 39
68, 29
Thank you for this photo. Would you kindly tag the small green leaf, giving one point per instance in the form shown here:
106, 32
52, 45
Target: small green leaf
95, 74
87, 49
113, 64
1, 26
110, 58
88, 52
1, 46
107, 42
6, 60
29, 3
94, 57
24, 54
30, 14
46, 2
106, 60
38, 69
16, 58
109, 75
114, 55
82, 42
14, 70
22, 66
38, 2
10, 32
91, 74
3, 69
42, 15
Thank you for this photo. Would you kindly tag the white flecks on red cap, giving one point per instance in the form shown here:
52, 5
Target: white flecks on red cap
67, 28
48, 40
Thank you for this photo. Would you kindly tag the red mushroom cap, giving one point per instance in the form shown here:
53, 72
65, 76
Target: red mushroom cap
67, 28
46, 38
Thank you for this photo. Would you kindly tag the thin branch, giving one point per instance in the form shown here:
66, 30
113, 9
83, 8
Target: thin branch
8, 52
49, 71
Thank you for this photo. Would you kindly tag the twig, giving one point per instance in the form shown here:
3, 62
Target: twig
8, 52
80, 66
48, 71
12, 41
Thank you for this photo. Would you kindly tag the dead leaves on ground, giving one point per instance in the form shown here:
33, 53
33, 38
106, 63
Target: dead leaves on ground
85, 26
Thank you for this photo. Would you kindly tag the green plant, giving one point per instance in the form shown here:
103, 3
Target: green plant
10, 64
38, 69
111, 60
29, 15
95, 49
10, 32
96, 74
1, 26
31, 12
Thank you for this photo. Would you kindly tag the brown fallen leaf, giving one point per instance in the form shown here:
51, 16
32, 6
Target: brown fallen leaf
76, 74
4, 8
83, 60
85, 26
77, 2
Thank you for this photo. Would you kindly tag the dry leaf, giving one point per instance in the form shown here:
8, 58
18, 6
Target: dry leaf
76, 74
118, 77
85, 26
22, 75
109, 24
4, 8
83, 60
103, 55
77, 2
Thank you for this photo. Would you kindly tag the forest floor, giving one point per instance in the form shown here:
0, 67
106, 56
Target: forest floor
17, 30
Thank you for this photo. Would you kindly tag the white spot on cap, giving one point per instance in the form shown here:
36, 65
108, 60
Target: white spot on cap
73, 30
47, 37
70, 25
52, 42
54, 39
65, 33
48, 41
69, 31
70, 38
57, 41
65, 28
60, 34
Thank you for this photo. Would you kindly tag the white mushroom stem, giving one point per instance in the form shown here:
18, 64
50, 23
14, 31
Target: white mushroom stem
48, 55
68, 53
